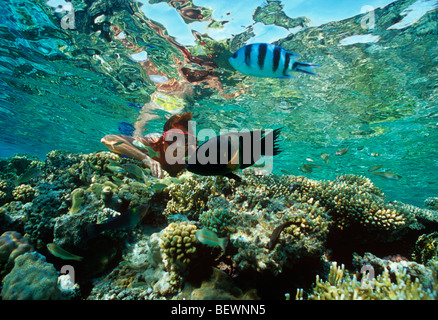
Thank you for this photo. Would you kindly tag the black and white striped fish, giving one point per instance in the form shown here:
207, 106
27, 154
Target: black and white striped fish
268, 60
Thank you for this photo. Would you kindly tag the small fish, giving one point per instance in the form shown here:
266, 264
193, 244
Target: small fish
285, 171
308, 167
325, 157
135, 171
375, 168
224, 154
138, 144
342, 151
115, 169
268, 60
159, 186
152, 153
118, 143
57, 251
276, 234
210, 238
126, 220
387, 175
28, 175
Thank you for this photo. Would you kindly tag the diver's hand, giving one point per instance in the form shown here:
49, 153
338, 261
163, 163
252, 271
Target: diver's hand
155, 167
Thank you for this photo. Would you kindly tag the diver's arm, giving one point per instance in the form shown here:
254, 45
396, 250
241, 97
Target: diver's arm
123, 145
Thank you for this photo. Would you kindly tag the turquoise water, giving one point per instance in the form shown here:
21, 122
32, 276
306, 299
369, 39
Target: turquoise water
64, 89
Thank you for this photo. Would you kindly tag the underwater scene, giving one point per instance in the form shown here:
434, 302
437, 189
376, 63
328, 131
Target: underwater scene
219, 150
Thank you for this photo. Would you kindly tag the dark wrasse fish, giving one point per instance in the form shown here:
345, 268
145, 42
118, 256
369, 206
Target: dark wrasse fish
229, 152
126, 220
276, 234
268, 60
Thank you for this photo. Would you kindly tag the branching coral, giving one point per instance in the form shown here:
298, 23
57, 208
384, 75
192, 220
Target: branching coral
216, 220
191, 195
395, 285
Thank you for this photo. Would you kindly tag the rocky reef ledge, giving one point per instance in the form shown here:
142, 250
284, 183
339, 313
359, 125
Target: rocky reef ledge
287, 237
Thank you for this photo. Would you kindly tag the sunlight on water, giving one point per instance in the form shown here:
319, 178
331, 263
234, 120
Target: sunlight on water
136, 63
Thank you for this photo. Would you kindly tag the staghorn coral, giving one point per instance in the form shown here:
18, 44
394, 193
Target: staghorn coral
32, 278
178, 245
390, 285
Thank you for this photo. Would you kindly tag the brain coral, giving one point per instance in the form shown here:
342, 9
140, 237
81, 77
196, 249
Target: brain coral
13, 244
32, 278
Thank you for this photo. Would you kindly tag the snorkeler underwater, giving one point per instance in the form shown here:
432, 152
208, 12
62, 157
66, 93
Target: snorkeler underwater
218, 150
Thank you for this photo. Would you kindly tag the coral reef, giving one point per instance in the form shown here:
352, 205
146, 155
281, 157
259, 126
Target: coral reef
274, 224
398, 281
32, 278
426, 248
431, 203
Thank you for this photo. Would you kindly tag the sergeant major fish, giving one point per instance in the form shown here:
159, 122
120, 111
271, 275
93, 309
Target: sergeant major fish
268, 60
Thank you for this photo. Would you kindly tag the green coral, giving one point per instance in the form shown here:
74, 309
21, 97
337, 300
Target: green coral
216, 220
136, 193
32, 278
178, 245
